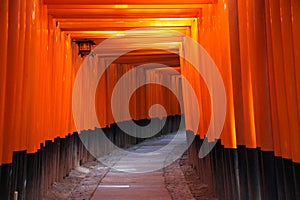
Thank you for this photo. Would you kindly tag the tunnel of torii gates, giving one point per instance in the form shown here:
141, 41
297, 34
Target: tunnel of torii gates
255, 45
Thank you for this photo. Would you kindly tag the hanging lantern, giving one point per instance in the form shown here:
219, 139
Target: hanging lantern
84, 46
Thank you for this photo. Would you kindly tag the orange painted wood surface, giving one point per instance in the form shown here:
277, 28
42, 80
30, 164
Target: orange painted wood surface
255, 45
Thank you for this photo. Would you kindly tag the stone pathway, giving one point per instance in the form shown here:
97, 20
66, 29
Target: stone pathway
95, 180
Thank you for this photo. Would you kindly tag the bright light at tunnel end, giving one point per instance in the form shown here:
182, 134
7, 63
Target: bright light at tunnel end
85, 116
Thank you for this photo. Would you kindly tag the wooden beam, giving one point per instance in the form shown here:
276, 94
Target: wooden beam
120, 25
123, 13
127, 2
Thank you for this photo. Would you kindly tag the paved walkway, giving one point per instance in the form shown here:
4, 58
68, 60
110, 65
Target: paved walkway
142, 175
118, 185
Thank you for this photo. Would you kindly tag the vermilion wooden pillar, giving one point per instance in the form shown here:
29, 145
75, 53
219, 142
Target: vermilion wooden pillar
12, 84
3, 60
